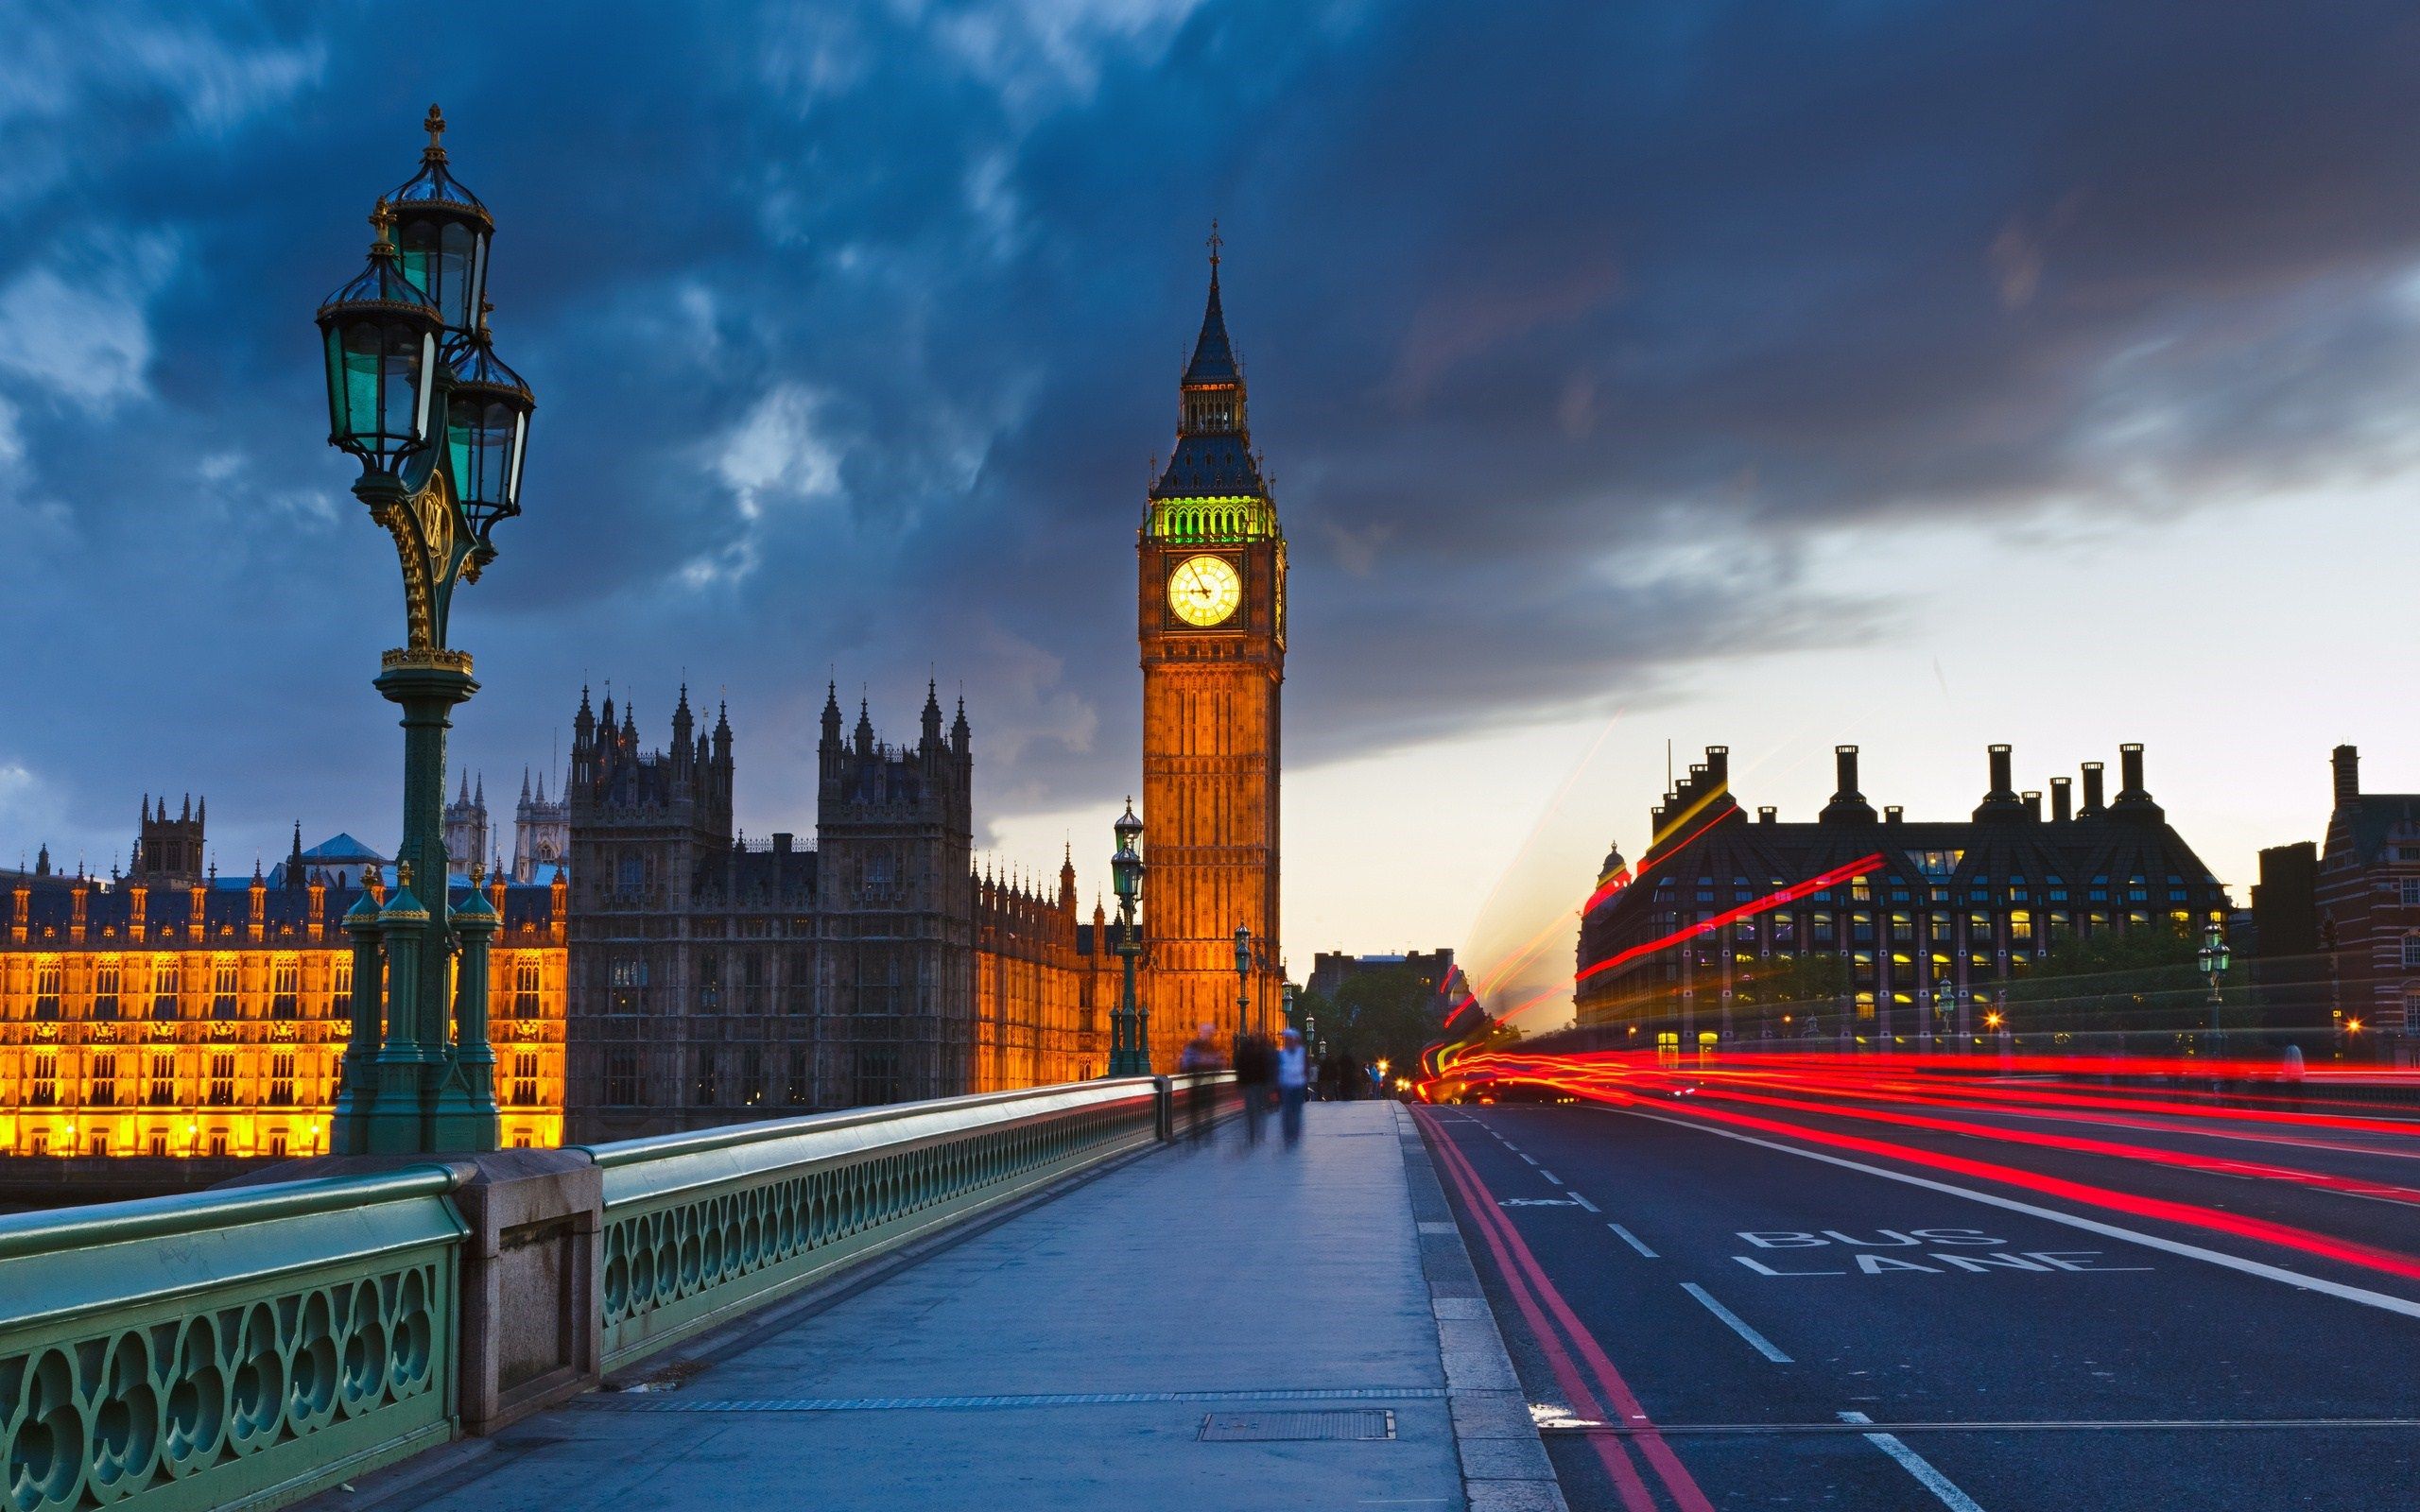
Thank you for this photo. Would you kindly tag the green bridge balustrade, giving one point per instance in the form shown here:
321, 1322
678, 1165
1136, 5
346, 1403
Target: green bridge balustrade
246, 1348
225, 1349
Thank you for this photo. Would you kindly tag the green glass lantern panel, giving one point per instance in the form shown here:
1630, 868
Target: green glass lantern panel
377, 404
448, 258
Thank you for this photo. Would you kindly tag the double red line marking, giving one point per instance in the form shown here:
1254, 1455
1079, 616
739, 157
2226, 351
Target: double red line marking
1590, 1390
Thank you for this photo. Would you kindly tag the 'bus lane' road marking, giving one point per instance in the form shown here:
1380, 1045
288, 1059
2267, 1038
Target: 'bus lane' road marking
1755, 1341
1917, 1465
2381, 1301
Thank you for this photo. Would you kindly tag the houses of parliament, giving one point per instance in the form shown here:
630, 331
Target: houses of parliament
659, 971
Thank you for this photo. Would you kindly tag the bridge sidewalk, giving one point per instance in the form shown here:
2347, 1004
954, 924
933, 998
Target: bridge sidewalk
1074, 1356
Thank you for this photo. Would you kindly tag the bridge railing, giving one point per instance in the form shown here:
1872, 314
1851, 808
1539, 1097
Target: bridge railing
699, 1227
248, 1348
226, 1349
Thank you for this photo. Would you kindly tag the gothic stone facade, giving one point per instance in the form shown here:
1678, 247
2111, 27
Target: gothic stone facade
715, 979
196, 1017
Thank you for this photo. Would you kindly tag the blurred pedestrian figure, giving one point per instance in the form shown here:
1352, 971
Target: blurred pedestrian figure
1200, 1057
1256, 1069
1336, 1077
1293, 1084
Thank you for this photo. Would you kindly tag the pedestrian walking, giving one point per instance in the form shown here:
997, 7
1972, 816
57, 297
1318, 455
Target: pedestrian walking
1255, 1071
1199, 1058
1293, 1085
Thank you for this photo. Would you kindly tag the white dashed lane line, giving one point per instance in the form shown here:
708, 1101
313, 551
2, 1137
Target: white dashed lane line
1631, 1239
1917, 1465
1737, 1325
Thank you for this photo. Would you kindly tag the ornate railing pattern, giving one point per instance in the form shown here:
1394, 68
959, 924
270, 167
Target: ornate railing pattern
702, 1227
225, 1349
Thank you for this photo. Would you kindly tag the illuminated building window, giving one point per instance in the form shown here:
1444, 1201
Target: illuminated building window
1903, 929
1861, 929
340, 990
45, 1090
622, 1085
277, 1146
1861, 891
525, 1079
1865, 1005
1822, 929
281, 1080
164, 985
218, 1143
525, 987
2100, 923
222, 1080
751, 1081
105, 985
2020, 926
98, 1143
223, 988
2181, 918
1978, 961
2411, 950
2135, 920
157, 1144
104, 1080
38, 1144
706, 1088
162, 1090
2412, 1010
2408, 891
285, 987
46, 988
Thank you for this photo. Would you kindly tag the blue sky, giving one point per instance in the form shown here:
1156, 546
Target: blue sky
1915, 374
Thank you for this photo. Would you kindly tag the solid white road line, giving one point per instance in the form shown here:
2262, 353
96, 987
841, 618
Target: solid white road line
1755, 1341
2250, 1268
1584, 1201
1917, 1465
1631, 1239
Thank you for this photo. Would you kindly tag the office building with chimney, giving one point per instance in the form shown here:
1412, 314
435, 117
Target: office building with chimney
1720, 929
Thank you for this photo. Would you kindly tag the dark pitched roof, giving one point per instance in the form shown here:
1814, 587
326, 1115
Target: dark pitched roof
1215, 466
1214, 355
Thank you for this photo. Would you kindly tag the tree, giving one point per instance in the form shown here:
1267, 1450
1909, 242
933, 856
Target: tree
2142, 980
1383, 1013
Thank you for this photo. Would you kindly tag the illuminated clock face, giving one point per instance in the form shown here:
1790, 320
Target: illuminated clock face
1205, 590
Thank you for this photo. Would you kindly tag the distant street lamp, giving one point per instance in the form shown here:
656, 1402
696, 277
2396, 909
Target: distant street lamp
1129, 1055
439, 424
1293, 1023
1243, 980
2214, 958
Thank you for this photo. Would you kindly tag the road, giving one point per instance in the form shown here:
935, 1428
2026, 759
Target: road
1772, 1297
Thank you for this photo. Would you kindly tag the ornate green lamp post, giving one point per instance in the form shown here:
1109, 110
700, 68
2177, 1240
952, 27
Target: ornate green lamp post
1243, 980
2214, 958
439, 424
1129, 1053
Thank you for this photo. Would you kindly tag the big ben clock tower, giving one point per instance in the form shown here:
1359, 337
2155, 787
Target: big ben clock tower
1212, 623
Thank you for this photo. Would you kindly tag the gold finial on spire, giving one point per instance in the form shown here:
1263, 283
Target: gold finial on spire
1215, 242
402, 873
435, 126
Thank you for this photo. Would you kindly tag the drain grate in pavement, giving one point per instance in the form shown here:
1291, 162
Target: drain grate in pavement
1356, 1424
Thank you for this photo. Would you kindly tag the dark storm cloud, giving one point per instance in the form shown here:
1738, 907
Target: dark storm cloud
855, 326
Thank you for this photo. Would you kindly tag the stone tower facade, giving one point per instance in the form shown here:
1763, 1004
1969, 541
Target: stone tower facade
1211, 603
167, 850
541, 832
715, 979
469, 837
